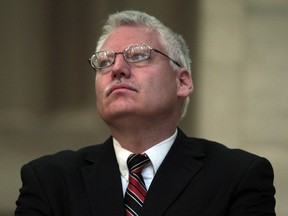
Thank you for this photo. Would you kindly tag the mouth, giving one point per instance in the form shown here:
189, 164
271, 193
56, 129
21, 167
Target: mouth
120, 87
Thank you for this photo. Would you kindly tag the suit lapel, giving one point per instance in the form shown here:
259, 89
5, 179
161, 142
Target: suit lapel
103, 183
177, 170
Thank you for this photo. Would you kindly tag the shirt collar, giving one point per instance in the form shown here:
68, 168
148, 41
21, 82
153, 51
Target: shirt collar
156, 154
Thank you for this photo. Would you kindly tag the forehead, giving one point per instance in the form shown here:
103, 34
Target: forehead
124, 36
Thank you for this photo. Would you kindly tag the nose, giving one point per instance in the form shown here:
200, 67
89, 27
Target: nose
120, 68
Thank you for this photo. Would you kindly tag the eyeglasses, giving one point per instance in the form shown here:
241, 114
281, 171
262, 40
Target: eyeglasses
132, 54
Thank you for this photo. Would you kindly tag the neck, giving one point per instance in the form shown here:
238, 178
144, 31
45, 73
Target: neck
138, 138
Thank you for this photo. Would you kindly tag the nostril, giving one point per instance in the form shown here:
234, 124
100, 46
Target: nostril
119, 74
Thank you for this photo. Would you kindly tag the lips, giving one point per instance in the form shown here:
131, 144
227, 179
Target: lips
120, 86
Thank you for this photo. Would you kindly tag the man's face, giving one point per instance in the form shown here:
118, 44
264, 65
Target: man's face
147, 90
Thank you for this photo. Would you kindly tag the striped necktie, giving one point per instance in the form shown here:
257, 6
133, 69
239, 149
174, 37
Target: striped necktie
136, 190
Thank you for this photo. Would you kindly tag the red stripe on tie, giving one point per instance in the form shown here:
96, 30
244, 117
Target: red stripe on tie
136, 190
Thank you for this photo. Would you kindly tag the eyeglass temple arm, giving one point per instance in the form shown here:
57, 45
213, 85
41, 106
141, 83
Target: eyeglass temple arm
175, 62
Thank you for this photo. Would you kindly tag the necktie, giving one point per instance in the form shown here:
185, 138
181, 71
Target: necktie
136, 190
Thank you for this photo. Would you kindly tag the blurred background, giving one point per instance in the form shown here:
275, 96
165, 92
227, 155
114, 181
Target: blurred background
240, 69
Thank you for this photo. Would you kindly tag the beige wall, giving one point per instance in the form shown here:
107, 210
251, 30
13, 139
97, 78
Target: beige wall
239, 49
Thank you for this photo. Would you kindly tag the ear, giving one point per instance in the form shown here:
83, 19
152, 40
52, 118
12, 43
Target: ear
184, 83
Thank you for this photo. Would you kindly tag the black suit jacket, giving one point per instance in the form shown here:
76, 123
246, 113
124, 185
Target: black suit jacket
197, 177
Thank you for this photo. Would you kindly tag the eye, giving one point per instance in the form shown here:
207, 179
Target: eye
137, 53
138, 56
104, 59
103, 63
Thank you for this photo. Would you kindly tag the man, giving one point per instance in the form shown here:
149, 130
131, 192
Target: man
143, 83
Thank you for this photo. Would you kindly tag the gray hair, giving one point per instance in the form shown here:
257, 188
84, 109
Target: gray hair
174, 44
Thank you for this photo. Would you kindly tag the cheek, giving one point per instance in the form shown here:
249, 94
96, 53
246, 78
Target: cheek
162, 87
99, 83
99, 89
166, 81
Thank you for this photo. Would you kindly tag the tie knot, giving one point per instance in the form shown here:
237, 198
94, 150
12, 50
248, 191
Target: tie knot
136, 162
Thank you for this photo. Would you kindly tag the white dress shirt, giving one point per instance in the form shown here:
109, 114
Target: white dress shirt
156, 154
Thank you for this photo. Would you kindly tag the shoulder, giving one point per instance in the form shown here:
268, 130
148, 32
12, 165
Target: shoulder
219, 155
232, 166
67, 160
